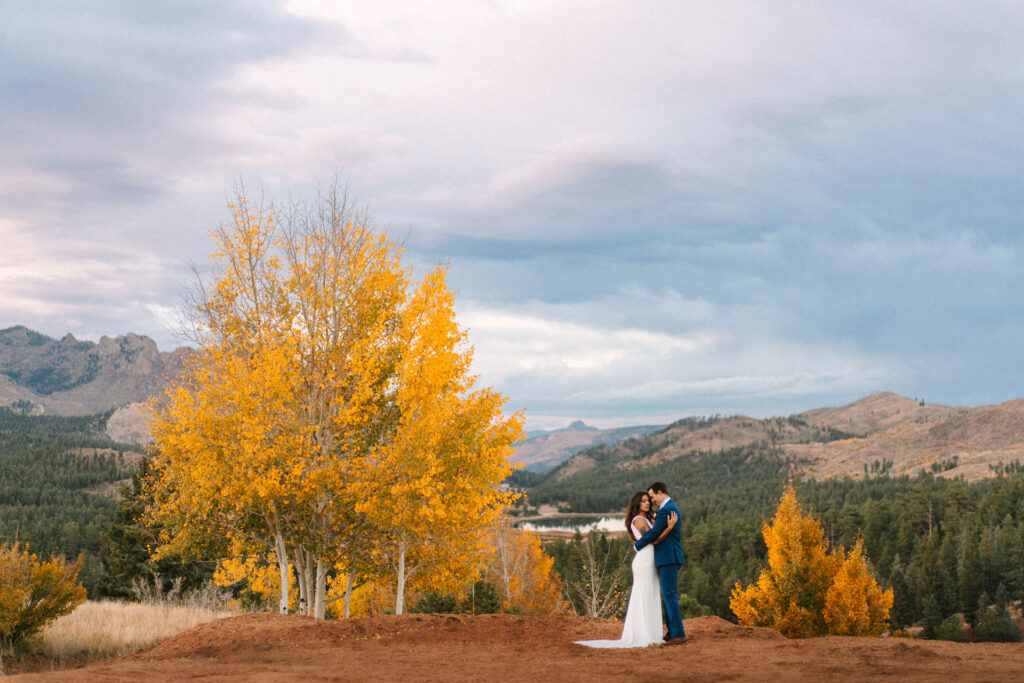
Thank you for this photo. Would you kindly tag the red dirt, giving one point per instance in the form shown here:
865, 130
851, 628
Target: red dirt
269, 647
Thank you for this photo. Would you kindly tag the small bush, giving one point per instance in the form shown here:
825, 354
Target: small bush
482, 598
995, 626
951, 629
690, 608
34, 592
436, 603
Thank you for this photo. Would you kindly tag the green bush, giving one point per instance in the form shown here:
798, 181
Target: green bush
690, 608
995, 626
951, 629
34, 593
436, 603
482, 598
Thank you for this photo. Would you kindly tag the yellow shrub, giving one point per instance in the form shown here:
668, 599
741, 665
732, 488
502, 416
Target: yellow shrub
34, 592
806, 590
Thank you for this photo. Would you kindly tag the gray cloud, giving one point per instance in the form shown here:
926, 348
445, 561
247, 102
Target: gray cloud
97, 95
723, 208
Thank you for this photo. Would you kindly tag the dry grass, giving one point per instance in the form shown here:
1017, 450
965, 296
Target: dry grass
98, 630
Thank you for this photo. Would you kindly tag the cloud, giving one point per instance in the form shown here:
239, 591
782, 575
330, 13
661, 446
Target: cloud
829, 193
104, 101
87, 287
600, 370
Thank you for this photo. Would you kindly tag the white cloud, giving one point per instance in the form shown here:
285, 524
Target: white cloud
599, 371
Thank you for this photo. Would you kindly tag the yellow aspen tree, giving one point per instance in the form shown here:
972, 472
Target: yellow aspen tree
523, 573
855, 605
789, 595
225, 440
241, 439
323, 379
436, 480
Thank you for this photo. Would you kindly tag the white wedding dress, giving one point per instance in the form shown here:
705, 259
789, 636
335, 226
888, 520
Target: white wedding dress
642, 625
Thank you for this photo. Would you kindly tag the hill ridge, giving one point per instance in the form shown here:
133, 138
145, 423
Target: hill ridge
882, 430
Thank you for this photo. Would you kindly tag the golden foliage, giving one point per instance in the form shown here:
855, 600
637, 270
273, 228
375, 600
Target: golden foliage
855, 605
330, 414
523, 573
34, 592
806, 590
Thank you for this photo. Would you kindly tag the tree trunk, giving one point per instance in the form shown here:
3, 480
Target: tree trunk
320, 599
348, 595
400, 591
282, 565
301, 562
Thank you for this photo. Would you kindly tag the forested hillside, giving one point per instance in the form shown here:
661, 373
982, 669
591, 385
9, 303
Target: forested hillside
56, 476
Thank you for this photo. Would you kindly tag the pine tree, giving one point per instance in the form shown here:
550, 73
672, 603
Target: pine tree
126, 552
972, 579
994, 623
903, 608
932, 618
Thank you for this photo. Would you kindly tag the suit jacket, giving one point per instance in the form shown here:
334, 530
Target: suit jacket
669, 551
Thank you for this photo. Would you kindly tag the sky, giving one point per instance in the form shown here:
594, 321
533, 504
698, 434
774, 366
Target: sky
650, 210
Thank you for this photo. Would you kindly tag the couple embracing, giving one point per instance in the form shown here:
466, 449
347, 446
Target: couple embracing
659, 554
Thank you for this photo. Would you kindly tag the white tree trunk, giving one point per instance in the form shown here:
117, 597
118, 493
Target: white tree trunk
320, 599
400, 591
348, 595
282, 565
301, 560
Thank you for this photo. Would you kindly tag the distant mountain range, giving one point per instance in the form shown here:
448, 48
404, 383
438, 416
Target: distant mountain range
544, 450
880, 433
70, 377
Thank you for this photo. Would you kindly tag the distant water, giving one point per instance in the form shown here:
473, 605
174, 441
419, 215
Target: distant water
572, 524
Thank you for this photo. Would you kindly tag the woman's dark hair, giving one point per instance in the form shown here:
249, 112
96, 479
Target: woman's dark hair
634, 509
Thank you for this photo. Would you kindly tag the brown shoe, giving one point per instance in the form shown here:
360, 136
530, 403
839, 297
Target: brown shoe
677, 641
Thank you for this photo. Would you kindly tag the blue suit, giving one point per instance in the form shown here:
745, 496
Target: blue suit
668, 557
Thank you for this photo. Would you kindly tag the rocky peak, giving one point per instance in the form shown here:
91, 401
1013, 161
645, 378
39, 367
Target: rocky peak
74, 377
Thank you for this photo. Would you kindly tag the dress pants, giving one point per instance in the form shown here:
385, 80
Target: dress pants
669, 574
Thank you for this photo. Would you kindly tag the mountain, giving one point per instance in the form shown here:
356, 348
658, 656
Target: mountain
918, 437
542, 451
883, 432
39, 374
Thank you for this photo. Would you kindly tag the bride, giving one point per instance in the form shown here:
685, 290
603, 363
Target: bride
642, 625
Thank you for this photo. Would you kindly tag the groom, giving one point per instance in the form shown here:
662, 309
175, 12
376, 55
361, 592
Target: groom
668, 556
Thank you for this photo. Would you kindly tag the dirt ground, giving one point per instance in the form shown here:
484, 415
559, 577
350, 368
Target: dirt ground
269, 647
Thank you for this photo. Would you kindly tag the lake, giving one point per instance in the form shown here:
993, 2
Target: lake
573, 524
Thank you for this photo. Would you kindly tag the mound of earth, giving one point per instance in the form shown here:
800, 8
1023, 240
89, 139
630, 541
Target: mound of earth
270, 647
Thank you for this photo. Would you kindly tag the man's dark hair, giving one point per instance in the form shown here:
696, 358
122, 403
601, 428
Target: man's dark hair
658, 487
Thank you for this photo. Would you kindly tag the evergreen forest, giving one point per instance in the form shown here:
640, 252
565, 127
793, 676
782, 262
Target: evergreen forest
46, 486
